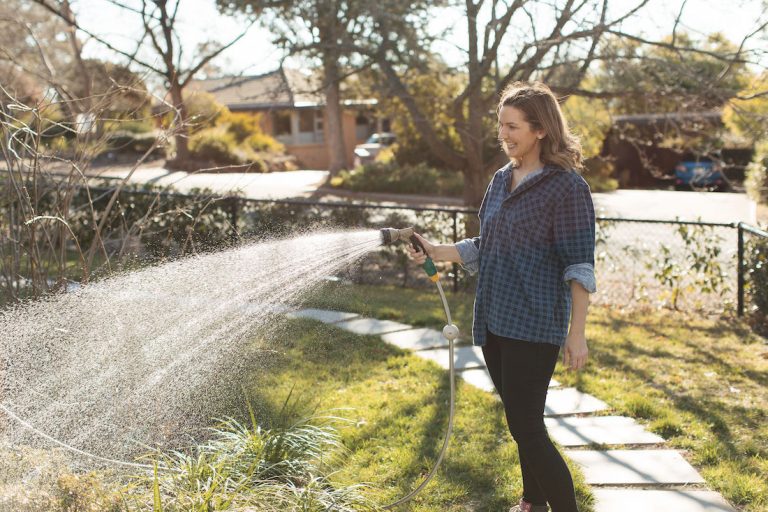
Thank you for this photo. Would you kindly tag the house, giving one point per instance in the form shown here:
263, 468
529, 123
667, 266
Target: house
645, 148
292, 108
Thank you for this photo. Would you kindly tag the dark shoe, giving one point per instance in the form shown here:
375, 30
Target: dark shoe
524, 506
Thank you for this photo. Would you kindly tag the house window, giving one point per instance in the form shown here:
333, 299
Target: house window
363, 127
310, 126
281, 122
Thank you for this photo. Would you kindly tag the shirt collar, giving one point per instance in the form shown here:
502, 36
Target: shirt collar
530, 180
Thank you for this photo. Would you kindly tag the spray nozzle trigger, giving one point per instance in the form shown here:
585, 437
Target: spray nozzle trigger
417, 244
429, 265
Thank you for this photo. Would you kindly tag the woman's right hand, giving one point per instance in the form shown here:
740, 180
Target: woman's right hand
417, 255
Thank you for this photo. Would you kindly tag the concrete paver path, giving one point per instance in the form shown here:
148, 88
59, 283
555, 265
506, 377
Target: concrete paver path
572, 423
606, 430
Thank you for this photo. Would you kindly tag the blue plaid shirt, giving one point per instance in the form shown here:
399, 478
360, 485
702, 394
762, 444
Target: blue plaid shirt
533, 241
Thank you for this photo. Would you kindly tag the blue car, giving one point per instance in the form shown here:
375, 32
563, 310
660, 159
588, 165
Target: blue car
701, 174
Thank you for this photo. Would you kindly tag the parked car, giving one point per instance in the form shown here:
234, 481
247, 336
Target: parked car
366, 152
702, 173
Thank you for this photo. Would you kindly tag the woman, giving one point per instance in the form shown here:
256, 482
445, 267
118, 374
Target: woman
535, 264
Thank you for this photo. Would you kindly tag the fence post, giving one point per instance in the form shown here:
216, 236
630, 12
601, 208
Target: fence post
740, 270
455, 239
234, 210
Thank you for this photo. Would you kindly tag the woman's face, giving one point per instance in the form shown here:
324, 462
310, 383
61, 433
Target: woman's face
517, 138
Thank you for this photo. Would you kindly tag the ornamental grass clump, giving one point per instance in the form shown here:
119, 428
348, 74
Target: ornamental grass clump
252, 467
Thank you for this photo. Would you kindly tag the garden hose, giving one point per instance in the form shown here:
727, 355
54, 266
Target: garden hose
450, 331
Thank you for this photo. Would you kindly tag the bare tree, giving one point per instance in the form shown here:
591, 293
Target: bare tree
565, 51
159, 19
562, 55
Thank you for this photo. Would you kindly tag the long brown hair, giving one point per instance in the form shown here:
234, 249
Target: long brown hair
542, 111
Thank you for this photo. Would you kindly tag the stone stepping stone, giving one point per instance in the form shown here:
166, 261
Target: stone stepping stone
480, 378
323, 315
583, 431
568, 401
372, 326
635, 500
628, 467
468, 356
416, 339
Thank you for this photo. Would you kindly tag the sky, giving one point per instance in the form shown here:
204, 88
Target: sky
254, 54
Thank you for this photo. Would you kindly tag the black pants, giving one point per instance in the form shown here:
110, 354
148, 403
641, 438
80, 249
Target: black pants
521, 371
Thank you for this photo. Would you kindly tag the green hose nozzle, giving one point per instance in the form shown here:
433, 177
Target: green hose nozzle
429, 265
392, 235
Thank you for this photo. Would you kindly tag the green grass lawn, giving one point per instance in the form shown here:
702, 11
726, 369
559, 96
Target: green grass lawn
397, 405
700, 383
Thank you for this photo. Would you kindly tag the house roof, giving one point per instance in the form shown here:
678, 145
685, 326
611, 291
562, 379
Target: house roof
282, 88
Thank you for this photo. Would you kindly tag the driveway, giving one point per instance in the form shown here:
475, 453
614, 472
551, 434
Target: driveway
669, 205
635, 204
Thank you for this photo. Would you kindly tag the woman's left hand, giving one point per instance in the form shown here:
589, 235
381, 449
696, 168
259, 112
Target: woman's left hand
575, 351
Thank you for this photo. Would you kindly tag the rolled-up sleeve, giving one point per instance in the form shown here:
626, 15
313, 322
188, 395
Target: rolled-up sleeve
574, 231
469, 251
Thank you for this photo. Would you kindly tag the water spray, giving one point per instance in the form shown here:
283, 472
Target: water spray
450, 331
124, 292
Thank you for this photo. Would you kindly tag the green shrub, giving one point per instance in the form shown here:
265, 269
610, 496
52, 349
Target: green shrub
130, 142
261, 142
406, 179
757, 174
215, 145
241, 125
599, 174
129, 125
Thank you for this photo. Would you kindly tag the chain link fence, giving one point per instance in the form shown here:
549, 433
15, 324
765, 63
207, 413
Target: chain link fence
672, 264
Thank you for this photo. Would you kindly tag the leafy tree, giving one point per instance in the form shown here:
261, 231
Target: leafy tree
578, 34
747, 113
430, 87
33, 51
129, 97
562, 56
661, 79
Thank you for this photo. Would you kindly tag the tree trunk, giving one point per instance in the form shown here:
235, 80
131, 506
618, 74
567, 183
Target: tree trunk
181, 129
333, 117
475, 183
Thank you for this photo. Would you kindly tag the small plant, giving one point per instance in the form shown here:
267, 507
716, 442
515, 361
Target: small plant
696, 269
402, 179
268, 469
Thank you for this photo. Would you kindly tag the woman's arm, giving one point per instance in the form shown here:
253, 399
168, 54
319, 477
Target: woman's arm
575, 351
